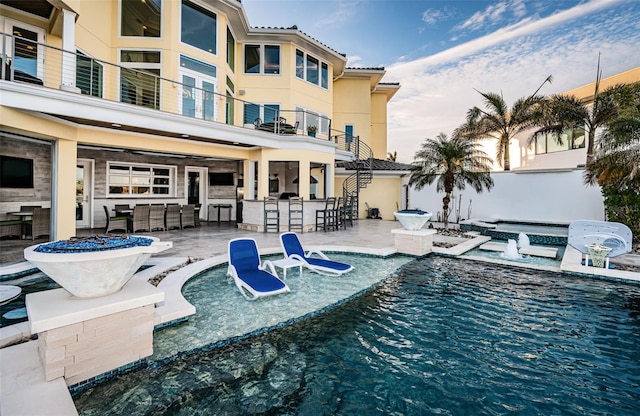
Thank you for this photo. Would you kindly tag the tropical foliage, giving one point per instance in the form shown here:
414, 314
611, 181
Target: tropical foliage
616, 159
455, 163
500, 122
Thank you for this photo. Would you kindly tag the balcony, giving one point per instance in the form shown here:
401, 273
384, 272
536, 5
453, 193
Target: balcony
88, 91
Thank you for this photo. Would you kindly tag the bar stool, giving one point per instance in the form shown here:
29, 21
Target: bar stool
296, 213
346, 212
324, 217
271, 214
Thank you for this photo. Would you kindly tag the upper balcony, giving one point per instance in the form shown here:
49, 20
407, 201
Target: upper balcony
88, 91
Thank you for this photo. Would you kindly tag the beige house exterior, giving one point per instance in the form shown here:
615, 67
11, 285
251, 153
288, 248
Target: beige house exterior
164, 101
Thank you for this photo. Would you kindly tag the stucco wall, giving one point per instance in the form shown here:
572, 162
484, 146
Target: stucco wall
553, 196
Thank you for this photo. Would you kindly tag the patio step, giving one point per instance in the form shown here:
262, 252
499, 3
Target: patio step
538, 251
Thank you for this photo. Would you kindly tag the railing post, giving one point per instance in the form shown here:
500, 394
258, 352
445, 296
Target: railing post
5, 63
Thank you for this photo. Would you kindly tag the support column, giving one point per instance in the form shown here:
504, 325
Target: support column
63, 190
68, 69
304, 175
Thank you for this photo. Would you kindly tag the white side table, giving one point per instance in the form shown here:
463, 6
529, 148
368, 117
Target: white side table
288, 263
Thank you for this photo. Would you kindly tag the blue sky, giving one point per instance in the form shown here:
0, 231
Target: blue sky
441, 51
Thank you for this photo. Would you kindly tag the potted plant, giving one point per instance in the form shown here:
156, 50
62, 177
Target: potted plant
311, 130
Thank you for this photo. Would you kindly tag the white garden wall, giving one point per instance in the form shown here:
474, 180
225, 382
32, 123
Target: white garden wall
548, 196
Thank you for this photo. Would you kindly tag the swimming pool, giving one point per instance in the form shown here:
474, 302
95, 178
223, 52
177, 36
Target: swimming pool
30, 281
443, 336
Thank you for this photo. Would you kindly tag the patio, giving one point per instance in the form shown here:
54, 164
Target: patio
211, 239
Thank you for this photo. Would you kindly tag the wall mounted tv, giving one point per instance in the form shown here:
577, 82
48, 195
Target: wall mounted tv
221, 179
16, 172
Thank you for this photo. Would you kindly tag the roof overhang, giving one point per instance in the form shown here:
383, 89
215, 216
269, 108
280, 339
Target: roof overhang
374, 75
42, 13
389, 89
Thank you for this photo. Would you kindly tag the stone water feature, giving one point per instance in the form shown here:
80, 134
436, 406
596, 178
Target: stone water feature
412, 219
94, 266
412, 239
102, 319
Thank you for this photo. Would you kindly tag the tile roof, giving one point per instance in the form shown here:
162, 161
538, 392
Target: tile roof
295, 27
378, 164
370, 68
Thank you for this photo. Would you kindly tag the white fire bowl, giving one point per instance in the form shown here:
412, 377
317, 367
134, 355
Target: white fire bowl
96, 273
412, 221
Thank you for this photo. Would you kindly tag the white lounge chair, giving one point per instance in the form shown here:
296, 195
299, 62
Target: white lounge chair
292, 248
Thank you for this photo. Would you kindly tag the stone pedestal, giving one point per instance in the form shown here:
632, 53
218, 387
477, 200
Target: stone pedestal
82, 338
415, 243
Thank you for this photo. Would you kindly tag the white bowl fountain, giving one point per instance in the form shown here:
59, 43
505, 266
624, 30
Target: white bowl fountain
94, 266
412, 219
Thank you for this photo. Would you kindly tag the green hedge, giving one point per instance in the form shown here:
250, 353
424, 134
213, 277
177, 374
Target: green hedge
624, 207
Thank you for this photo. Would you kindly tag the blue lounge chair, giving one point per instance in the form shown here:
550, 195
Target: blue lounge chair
249, 275
293, 249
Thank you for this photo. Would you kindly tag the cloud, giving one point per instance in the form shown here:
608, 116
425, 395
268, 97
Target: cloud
343, 11
353, 60
437, 91
433, 16
493, 14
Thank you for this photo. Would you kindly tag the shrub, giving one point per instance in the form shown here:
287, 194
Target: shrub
623, 206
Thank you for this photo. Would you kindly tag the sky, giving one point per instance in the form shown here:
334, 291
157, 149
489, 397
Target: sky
443, 52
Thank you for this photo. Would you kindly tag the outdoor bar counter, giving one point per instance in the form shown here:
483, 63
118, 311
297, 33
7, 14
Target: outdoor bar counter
253, 214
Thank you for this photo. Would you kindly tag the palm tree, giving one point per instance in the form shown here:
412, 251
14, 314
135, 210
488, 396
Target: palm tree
455, 162
500, 122
564, 112
616, 158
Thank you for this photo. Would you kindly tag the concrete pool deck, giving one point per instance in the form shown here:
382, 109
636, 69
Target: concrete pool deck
24, 391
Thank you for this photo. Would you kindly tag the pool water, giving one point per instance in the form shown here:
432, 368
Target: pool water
444, 336
15, 311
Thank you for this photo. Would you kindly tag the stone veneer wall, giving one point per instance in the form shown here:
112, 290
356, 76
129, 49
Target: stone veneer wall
86, 349
414, 243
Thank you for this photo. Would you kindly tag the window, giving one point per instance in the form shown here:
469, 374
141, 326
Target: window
132, 180
266, 113
324, 76
140, 18
139, 81
231, 51
311, 69
571, 139
198, 27
27, 53
255, 64
271, 59
89, 75
306, 118
299, 64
